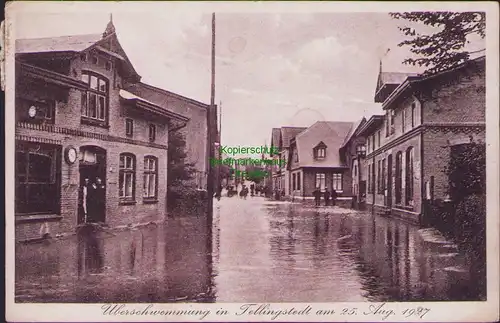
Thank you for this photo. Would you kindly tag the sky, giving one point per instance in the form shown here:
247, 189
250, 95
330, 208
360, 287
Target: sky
272, 69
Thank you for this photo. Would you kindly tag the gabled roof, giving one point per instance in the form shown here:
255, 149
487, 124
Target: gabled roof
352, 131
331, 133
370, 125
106, 42
288, 133
75, 43
388, 82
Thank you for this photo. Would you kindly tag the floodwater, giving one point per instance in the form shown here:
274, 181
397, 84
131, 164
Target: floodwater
255, 251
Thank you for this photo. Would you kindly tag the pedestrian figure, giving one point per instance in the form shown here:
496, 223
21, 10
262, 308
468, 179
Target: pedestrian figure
100, 192
252, 189
326, 196
92, 203
85, 199
317, 196
334, 196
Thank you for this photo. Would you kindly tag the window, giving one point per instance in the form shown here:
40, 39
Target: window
94, 59
298, 181
413, 116
391, 120
320, 181
152, 132
37, 178
399, 173
83, 57
378, 138
355, 170
403, 117
387, 124
127, 177
95, 99
379, 178
373, 178
129, 127
361, 150
373, 145
369, 178
369, 145
409, 177
294, 183
296, 156
109, 66
35, 111
383, 176
150, 177
337, 182
320, 153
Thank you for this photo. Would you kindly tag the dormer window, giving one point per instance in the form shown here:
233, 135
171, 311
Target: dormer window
320, 151
361, 150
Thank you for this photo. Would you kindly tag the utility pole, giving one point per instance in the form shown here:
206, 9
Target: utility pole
219, 139
210, 130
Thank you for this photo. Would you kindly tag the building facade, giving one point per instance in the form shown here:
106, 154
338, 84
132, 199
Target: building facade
79, 117
281, 139
408, 149
315, 161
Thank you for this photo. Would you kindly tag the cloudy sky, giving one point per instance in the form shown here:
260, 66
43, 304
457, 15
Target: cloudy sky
272, 69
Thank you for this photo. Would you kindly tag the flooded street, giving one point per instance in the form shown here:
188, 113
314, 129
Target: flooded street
258, 251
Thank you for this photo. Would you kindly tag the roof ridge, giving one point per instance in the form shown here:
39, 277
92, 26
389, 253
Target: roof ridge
63, 36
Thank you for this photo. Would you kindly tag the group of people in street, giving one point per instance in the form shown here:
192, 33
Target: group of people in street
93, 200
327, 195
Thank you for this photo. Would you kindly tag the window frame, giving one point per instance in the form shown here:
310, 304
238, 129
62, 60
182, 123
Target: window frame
413, 108
409, 177
398, 185
322, 180
85, 99
52, 184
147, 173
129, 123
152, 134
122, 171
337, 178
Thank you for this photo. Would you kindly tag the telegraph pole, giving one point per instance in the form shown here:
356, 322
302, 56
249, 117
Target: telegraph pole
210, 132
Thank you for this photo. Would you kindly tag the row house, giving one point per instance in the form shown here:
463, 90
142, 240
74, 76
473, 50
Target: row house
83, 113
408, 148
316, 162
281, 138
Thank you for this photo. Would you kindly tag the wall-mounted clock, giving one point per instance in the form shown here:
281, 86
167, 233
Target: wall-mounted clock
70, 155
32, 111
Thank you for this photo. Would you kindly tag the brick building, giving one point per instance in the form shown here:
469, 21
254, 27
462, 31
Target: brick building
280, 138
315, 159
82, 113
409, 147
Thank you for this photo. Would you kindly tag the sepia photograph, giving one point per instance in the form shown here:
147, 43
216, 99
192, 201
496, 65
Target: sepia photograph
276, 158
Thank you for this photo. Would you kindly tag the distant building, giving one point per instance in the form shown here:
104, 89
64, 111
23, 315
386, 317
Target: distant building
316, 162
409, 147
81, 113
280, 139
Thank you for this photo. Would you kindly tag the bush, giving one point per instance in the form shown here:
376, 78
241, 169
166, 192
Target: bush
185, 199
471, 220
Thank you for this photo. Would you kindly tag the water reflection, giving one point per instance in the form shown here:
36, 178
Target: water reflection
165, 263
257, 252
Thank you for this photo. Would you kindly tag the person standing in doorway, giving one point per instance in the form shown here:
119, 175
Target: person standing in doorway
326, 195
85, 199
100, 191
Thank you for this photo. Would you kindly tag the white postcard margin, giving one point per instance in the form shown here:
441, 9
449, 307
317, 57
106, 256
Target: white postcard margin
229, 312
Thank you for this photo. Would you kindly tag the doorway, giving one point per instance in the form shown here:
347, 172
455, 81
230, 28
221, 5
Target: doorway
389, 182
93, 176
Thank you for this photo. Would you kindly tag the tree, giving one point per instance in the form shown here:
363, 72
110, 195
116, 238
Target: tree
445, 48
178, 170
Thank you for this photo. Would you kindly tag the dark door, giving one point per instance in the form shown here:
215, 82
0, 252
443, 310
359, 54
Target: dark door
389, 182
92, 172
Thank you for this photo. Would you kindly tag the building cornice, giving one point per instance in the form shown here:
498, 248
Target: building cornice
78, 133
27, 70
439, 126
